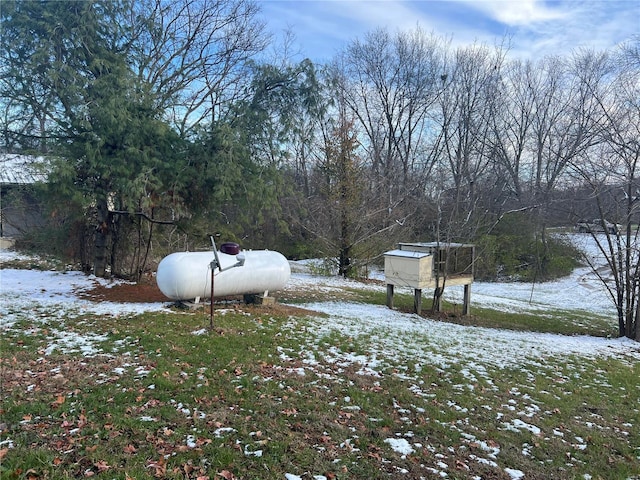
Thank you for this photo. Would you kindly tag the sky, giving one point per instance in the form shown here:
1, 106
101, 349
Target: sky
535, 27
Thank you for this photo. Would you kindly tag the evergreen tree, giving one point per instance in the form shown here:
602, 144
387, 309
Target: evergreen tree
119, 98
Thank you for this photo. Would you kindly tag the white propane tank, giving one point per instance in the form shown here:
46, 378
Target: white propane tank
187, 275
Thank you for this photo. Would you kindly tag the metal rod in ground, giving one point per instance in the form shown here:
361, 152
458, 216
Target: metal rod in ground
211, 315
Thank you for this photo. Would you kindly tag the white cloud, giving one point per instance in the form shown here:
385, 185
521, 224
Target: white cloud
522, 12
536, 27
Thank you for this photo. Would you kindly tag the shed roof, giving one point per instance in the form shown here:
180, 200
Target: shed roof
436, 244
406, 253
16, 169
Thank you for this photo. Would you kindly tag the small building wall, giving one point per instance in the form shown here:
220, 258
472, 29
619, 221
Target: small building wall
19, 209
429, 265
408, 269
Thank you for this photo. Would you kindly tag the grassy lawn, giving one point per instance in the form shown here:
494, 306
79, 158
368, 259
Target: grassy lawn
277, 392
564, 322
260, 397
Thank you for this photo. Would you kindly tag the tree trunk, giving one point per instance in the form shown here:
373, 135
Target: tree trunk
344, 267
102, 238
143, 264
635, 332
437, 299
344, 262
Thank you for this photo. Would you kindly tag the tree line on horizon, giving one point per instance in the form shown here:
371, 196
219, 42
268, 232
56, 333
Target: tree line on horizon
166, 122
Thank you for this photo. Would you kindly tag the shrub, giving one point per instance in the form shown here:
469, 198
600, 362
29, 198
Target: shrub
516, 252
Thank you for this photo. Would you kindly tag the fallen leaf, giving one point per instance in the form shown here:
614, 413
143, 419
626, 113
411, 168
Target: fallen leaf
188, 469
130, 449
226, 474
159, 467
102, 466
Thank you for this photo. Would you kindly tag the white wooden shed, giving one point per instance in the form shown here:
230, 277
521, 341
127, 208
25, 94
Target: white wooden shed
429, 265
20, 211
406, 268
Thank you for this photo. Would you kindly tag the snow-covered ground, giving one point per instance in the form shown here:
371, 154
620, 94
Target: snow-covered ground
581, 290
403, 341
40, 294
24, 290
402, 334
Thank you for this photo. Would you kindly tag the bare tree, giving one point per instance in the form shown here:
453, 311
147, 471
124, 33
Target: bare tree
339, 208
392, 83
615, 166
565, 116
192, 55
511, 124
466, 108
469, 99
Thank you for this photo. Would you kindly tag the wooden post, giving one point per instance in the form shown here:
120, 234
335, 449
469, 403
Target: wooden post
389, 295
467, 299
417, 301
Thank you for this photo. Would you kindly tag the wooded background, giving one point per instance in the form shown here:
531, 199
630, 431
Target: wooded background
165, 122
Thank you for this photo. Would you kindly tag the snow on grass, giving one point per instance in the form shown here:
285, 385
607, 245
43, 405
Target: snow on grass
400, 445
397, 336
514, 474
71, 342
24, 287
581, 290
50, 297
386, 338
400, 336
25, 290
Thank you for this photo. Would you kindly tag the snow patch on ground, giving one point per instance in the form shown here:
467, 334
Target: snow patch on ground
49, 297
55, 293
387, 339
34, 294
401, 336
400, 445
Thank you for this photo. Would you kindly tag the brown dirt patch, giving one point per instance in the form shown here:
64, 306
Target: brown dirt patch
278, 309
148, 293
126, 293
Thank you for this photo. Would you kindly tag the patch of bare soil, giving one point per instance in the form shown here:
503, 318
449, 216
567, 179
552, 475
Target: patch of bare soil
126, 293
148, 292
281, 310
